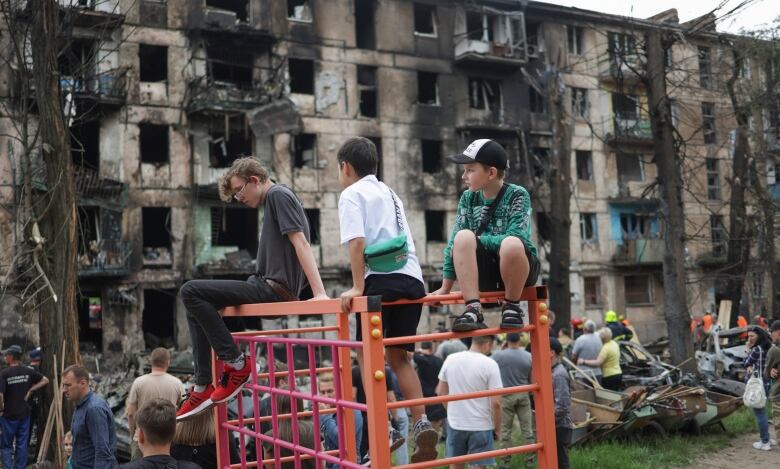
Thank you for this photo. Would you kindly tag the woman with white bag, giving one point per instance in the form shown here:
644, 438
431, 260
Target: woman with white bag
757, 389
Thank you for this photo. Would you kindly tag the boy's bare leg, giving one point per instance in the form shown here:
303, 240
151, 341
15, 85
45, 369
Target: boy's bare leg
408, 380
464, 257
514, 267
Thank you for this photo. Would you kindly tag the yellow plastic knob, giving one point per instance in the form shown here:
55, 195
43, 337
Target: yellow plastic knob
543, 319
375, 320
542, 307
376, 333
379, 375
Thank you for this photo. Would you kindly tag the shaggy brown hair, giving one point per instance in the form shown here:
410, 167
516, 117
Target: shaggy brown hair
244, 168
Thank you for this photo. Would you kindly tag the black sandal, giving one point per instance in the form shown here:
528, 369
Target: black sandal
512, 316
470, 320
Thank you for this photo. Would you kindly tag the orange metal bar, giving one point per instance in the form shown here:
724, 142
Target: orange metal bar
319, 371
373, 374
306, 413
332, 452
441, 336
496, 453
294, 308
462, 397
300, 330
541, 374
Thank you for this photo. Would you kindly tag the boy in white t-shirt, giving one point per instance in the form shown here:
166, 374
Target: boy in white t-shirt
473, 424
370, 213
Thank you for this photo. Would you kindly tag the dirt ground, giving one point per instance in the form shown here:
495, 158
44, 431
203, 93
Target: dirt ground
739, 454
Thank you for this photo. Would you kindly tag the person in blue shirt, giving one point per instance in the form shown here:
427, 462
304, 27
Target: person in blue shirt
94, 435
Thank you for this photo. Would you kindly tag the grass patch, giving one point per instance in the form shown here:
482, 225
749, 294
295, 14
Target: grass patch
674, 450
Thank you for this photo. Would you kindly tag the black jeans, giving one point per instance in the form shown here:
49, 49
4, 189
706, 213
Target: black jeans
563, 438
203, 300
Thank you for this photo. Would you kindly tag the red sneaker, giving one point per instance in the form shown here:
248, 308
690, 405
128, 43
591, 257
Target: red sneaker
231, 383
195, 403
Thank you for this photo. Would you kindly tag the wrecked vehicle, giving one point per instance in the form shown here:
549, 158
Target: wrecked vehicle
723, 354
642, 368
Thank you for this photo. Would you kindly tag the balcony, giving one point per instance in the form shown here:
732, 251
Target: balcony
623, 70
92, 189
101, 92
106, 258
639, 251
224, 27
487, 39
216, 96
630, 130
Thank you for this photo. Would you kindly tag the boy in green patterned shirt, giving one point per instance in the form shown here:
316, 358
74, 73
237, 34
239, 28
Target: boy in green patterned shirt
492, 256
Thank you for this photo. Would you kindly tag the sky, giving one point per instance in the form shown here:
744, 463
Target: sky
757, 13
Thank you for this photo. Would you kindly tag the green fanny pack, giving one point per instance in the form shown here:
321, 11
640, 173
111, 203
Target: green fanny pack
387, 256
390, 255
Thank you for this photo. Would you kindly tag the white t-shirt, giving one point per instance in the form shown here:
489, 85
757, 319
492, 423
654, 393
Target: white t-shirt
366, 210
466, 372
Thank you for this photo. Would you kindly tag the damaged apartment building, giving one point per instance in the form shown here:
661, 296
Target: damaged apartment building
168, 93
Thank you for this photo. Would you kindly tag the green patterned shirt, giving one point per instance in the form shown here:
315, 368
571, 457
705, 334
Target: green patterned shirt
511, 218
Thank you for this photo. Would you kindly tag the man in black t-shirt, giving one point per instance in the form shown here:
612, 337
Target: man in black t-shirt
428, 367
17, 384
155, 429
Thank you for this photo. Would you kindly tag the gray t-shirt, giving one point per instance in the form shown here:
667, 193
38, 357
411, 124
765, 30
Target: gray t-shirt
515, 366
588, 346
276, 258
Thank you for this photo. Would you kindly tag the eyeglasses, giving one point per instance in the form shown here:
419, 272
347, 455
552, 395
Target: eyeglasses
240, 191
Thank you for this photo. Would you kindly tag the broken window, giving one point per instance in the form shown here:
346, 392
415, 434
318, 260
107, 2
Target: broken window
589, 232
156, 241
158, 320
364, 24
231, 66
153, 13
229, 139
366, 77
435, 229
713, 179
90, 315
540, 161
153, 142
705, 67
85, 144
313, 216
427, 88
301, 75
625, 107
89, 233
592, 291
152, 63
485, 94
718, 235
543, 228
305, 151
635, 226
584, 165
757, 284
536, 102
579, 102
622, 48
77, 65
431, 156
424, 19
299, 10
630, 167
638, 289
708, 122
239, 7
234, 226
574, 39
474, 26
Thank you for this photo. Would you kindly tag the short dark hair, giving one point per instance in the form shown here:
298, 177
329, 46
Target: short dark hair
160, 357
426, 345
513, 337
500, 172
775, 326
157, 419
78, 371
361, 153
484, 339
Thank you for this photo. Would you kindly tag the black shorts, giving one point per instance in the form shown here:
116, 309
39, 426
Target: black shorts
400, 320
488, 266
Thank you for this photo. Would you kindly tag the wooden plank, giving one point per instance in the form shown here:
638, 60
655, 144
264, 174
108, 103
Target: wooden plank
724, 314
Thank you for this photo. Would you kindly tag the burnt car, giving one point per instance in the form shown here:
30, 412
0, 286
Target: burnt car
723, 354
642, 368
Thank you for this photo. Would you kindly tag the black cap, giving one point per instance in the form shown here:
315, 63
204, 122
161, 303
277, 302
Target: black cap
775, 326
512, 337
555, 346
426, 345
485, 151
14, 350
